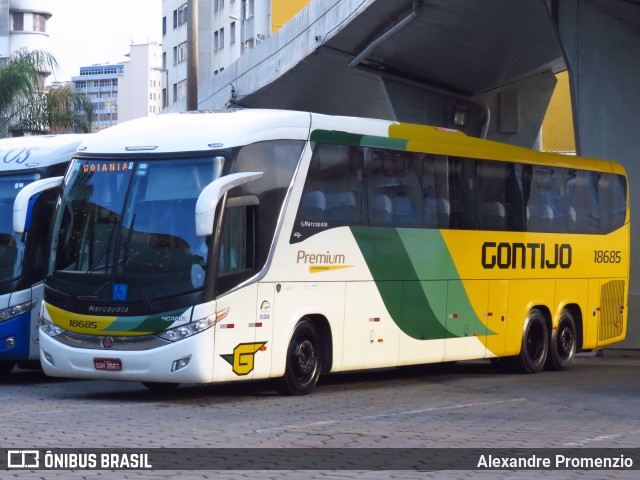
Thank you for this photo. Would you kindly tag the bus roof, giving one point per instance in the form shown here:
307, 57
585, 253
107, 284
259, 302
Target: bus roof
198, 131
204, 131
38, 151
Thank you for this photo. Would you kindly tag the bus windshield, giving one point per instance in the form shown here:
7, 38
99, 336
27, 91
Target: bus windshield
125, 230
11, 245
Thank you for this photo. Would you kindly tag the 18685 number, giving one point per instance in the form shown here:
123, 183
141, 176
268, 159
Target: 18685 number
607, 256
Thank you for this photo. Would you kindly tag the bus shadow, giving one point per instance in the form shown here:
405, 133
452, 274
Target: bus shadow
251, 390
35, 376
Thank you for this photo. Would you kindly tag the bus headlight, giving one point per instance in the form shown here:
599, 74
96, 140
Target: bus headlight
49, 328
189, 329
12, 312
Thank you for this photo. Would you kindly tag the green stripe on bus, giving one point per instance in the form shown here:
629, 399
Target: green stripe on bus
412, 269
343, 138
145, 323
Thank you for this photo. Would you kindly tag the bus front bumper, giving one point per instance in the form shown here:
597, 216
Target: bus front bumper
186, 361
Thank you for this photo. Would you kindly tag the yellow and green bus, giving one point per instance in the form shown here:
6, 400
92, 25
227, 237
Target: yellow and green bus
254, 244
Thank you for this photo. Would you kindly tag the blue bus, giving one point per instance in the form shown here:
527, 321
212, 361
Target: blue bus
31, 169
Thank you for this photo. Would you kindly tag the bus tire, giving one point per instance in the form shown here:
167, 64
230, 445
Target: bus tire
303, 361
535, 344
563, 343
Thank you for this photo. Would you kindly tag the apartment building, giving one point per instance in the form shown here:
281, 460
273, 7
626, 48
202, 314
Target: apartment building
123, 91
23, 24
226, 29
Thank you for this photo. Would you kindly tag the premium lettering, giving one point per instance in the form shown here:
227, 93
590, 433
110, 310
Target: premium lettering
320, 258
505, 255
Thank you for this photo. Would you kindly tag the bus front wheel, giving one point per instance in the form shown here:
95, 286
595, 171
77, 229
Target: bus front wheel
535, 344
562, 343
303, 361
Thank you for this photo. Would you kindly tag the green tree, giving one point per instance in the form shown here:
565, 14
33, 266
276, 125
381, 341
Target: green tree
25, 106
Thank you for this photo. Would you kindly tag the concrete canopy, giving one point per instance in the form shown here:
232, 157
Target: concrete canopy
332, 57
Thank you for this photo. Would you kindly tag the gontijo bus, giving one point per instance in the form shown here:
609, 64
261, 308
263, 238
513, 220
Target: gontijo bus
209, 247
28, 167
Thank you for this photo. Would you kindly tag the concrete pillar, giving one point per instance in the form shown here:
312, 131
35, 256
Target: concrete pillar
601, 39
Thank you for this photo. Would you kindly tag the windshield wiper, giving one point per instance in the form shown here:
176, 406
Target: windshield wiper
97, 265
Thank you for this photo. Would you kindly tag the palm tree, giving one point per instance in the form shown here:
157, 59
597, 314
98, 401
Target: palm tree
25, 106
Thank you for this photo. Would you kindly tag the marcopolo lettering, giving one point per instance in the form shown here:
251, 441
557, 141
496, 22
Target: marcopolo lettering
505, 255
108, 309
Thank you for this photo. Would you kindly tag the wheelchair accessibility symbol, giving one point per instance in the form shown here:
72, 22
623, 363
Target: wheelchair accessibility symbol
119, 292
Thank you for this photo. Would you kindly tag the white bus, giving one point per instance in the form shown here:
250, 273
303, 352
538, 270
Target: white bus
254, 244
28, 165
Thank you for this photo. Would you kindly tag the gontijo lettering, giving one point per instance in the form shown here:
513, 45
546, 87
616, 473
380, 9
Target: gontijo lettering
525, 255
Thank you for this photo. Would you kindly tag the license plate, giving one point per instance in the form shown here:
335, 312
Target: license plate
111, 364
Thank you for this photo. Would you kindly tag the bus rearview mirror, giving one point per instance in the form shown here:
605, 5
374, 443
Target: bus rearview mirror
21, 203
211, 195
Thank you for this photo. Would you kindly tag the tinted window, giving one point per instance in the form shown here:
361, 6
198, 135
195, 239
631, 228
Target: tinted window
348, 185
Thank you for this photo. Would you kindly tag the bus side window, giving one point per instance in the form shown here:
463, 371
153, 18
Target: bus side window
394, 188
540, 205
583, 200
618, 210
436, 206
40, 233
499, 196
491, 178
462, 193
334, 186
238, 255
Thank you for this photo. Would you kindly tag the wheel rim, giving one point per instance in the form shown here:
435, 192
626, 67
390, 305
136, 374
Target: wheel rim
304, 358
566, 342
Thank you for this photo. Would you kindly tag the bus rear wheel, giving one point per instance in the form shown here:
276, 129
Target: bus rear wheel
535, 344
303, 361
562, 343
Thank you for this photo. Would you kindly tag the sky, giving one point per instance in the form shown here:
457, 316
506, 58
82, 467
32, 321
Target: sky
87, 32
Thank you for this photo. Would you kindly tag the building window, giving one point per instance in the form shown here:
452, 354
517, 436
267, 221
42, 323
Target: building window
221, 38
182, 89
39, 22
215, 41
175, 19
232, 33
182, 15
175, 92
175, 55
18, 22
182, 52
164, 26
